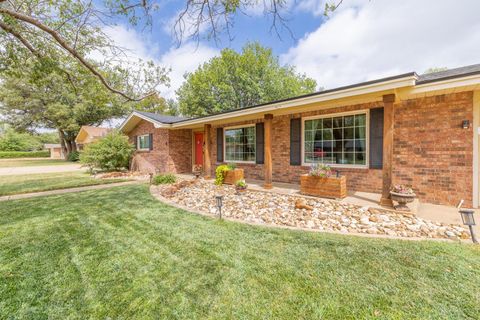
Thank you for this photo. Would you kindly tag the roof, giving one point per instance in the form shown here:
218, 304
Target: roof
95, 131
410, 79
449, 74
161, 117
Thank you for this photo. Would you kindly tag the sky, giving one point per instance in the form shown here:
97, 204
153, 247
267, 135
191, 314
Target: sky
362, 40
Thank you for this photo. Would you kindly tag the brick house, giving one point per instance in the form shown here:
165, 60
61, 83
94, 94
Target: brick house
420, 130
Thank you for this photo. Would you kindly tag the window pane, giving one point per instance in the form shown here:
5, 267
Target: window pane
360, 158
327, 123
338, 122
348, 121
360, 120
349, 158
327, 134
360, 133
359, 145
240, 144
348, 133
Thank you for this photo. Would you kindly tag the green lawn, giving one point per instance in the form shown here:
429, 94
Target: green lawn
9, 163
47, 181
119, 254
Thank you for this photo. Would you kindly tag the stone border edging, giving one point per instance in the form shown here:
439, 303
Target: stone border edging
19, 196
275, 226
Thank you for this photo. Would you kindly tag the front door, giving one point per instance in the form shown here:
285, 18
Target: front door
199, 148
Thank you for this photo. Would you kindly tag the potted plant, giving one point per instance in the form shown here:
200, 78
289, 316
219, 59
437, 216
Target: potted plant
197, 170
321, 181
240, 186
228, 174
402, 194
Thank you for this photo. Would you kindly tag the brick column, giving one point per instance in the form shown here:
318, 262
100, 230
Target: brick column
207, 163
388, 114
268, 151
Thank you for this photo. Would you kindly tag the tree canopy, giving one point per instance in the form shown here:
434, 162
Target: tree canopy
235, 80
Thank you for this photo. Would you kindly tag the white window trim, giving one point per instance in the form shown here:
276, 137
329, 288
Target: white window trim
138, 142
331, 115
225, 143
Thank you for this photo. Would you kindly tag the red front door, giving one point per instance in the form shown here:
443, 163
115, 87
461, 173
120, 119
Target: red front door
199, 149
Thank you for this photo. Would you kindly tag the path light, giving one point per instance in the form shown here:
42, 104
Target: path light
468, 220
219, 200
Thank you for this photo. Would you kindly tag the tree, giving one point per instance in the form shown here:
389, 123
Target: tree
235, 80
435, 69
42, 95
74, 29
11, 140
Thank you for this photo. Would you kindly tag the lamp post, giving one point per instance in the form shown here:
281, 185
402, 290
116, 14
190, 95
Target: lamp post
469, 220
219, 200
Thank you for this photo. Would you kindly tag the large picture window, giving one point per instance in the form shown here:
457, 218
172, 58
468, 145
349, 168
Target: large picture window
143, 142
336, 140
240, 144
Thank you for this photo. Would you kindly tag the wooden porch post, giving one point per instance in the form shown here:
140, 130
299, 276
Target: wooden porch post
268, 151
388, 114
207, 163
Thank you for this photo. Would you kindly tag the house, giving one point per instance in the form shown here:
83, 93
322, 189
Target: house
56, 151
420, 130
89, 134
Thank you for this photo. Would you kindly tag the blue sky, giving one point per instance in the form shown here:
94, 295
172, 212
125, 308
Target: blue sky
362, 40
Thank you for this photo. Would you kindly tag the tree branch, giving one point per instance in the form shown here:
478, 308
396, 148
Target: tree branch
19, 37
71, 50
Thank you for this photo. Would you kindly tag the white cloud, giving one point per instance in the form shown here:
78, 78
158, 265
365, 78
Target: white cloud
364, 40
180, 60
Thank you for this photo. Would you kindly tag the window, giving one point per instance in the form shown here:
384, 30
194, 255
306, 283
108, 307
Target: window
336, 140
240, 144
143, 142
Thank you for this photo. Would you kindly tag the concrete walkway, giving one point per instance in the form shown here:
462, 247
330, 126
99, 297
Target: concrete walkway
68, 190
40, 169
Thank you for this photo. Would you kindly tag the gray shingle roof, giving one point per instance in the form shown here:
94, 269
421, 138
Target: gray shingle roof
161, 117
449, 74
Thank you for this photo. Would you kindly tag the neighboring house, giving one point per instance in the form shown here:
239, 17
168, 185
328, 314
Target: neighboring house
406, 129
89, 134
56, 151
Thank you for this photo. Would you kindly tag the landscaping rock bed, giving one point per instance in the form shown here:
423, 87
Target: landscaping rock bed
304, 212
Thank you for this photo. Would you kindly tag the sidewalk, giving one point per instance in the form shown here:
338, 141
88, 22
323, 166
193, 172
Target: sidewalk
63, 191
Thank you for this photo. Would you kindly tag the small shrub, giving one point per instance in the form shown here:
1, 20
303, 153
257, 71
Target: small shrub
110, 153
232, 166
320, 170
164, 179
73, 156
220, 174
22, 154
241, 184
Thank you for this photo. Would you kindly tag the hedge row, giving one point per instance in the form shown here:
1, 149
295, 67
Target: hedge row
24, 154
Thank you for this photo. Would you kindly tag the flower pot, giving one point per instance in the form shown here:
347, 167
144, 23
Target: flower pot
240, 190
232, 176
331, 187
402, 199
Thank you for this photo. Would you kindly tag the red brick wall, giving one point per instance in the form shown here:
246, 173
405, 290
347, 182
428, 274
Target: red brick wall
357, 179
432, 151
172, 150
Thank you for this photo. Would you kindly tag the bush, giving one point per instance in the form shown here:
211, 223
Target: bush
164, 179
22, 154
112, 152
11, 140
73, 156
220, 173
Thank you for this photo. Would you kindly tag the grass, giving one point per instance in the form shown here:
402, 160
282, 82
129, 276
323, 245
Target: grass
9, 163
118, 253
16, 184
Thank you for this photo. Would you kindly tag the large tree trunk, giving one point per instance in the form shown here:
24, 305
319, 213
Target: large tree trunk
61, 135
68, 143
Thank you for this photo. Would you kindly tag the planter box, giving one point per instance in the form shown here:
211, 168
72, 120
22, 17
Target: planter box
332, 187
232, 176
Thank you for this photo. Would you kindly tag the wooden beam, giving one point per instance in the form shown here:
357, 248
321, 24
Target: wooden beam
268, 151
388, 119
207, 154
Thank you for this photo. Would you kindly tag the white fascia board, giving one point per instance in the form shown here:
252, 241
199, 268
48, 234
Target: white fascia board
156, 124
407, 81
446, 84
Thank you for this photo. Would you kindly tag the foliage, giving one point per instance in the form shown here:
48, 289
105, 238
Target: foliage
22, 154
136, 257
111, 152
48, 137
17, 141
164, 179
232, 165
73, 156
236, 80
402, 189
220, 174
157, 104
320, 170
17, 184
241, 184
435, 69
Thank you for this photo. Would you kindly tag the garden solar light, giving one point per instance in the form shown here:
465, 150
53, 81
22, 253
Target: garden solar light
469, 220
219, 200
